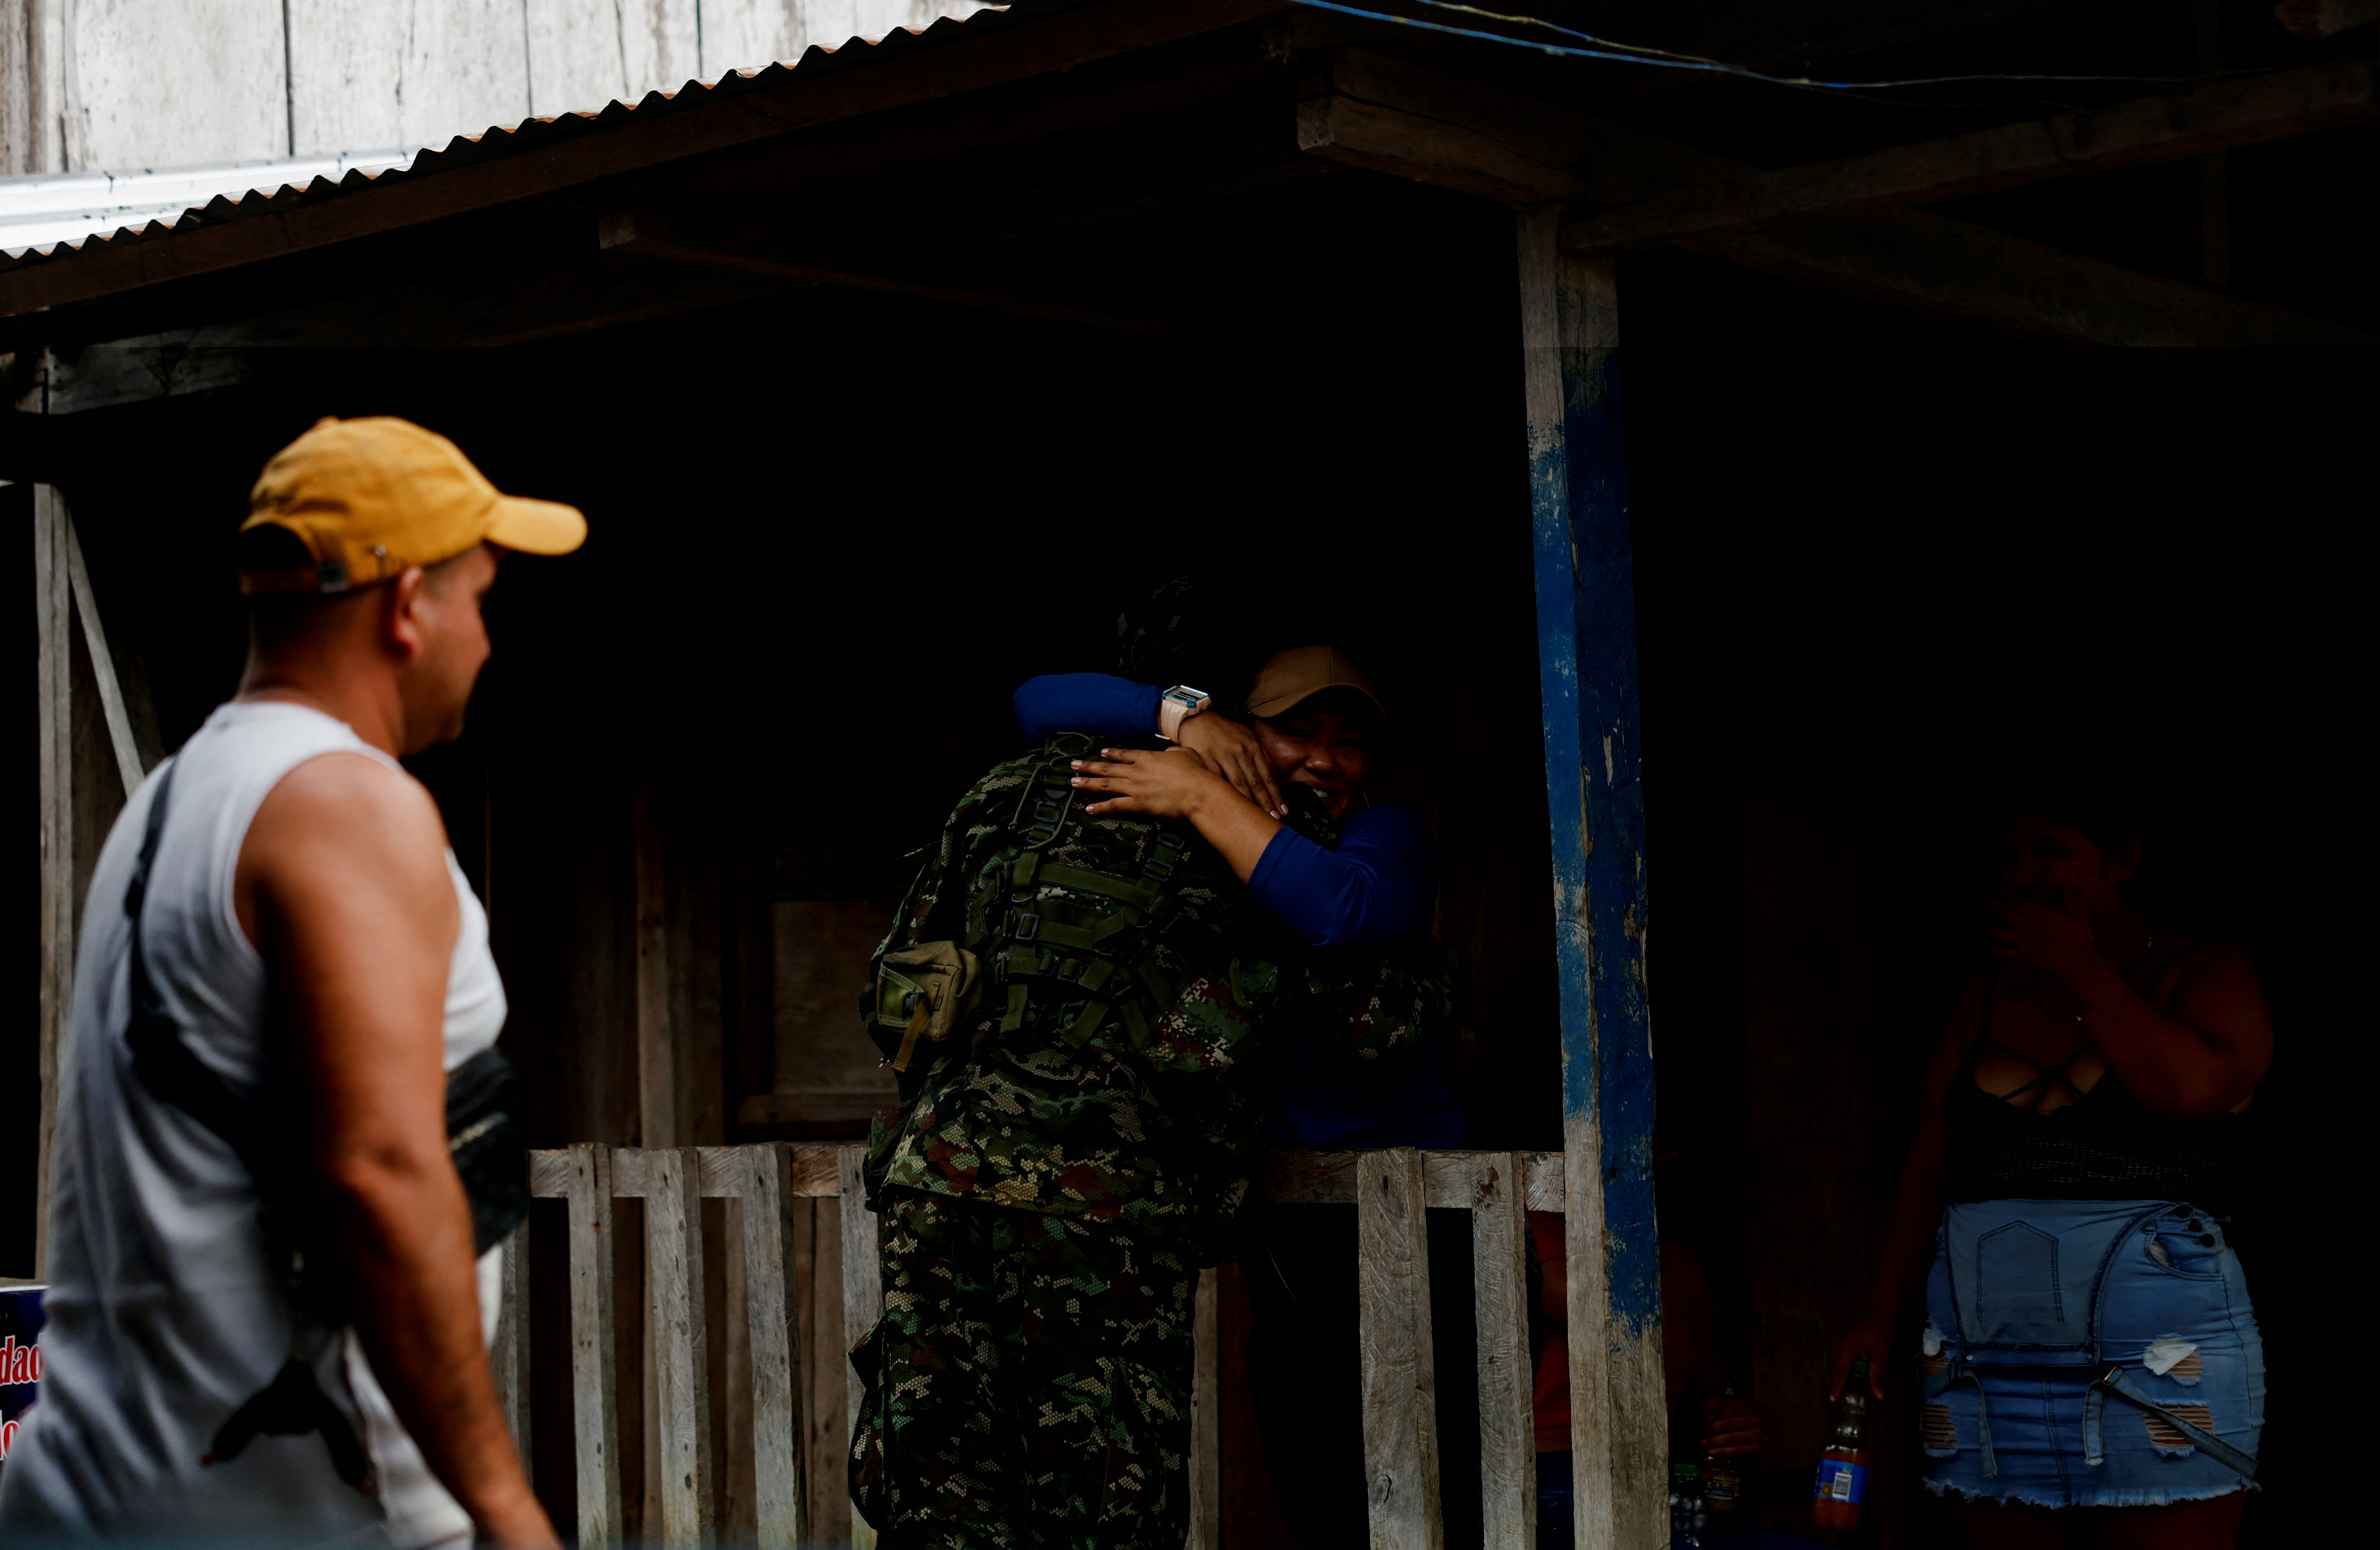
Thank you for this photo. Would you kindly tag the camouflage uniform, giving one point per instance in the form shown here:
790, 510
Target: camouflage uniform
1067, 1155
1064, 1162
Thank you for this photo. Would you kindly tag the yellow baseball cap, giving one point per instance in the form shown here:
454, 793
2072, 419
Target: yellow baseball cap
1297, 675
371, 498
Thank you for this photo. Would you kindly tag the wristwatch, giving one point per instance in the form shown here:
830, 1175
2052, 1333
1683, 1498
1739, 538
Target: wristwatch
1176, 706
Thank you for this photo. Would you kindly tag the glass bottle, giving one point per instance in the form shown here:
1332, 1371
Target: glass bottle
1687, 1524
1723, 1479
1843, 1466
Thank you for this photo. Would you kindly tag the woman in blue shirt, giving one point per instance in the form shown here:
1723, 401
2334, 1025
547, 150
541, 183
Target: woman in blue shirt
1315, 721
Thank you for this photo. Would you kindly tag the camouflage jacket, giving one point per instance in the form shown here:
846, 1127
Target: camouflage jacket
1103, 1080
1057, 1092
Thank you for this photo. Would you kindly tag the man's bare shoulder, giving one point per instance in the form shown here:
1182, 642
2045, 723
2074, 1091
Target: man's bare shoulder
346, 817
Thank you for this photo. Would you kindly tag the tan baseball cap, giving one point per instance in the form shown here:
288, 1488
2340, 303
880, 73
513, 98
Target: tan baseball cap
1303, 671
371, 498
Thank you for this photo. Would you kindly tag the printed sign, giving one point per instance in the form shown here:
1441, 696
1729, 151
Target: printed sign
20, 1359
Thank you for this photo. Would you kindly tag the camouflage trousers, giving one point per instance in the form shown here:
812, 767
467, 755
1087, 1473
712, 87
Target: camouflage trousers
1028, 1384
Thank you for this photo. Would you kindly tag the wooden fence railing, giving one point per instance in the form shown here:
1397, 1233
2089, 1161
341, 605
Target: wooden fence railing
1390, 1190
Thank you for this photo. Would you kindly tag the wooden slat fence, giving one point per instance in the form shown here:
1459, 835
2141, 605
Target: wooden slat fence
1392, 1191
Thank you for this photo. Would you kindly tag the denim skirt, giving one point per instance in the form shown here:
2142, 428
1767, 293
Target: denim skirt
2066, 1339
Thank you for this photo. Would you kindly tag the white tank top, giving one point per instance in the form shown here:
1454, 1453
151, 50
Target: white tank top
162, 1315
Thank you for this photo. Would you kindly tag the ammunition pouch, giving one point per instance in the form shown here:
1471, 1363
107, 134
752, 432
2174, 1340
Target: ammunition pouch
924, 991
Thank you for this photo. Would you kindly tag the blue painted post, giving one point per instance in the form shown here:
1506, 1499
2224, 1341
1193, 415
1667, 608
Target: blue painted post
1586, 656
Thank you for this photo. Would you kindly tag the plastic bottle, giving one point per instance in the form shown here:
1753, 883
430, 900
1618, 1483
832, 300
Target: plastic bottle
1843, 1466
1722, 1480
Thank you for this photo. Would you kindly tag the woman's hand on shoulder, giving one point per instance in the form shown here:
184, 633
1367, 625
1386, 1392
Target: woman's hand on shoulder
1233, 752
1168, 783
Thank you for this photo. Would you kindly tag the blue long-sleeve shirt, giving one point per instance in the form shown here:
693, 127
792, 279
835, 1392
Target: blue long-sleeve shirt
1375, 890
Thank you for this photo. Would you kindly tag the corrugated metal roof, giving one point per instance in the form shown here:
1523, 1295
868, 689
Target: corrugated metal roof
498, 141
47, 208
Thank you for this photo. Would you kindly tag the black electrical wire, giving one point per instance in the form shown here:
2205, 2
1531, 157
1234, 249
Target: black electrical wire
1634, 53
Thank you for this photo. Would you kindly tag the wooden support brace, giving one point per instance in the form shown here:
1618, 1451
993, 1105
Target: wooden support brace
594, 1375
778, 1494
681, 1351
1400, 1382
54, 723
1500, 1273
863, 1292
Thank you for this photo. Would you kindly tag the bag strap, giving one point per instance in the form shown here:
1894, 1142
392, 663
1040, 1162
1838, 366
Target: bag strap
163, 1062
2115, 1381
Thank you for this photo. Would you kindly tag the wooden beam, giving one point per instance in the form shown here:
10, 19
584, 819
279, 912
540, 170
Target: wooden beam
1449, 1178
2132, 134
713, 247
988, 51
130, 768
1367, 109
1424, 124
1957, 269
1586, 656
542, 299
1468, 159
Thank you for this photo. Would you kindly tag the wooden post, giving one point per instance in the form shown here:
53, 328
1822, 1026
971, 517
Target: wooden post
778, 1497
1205, 1417
681, 1344
594, 1372
53, 720
1586, 635
863, 1292
1399, 1383
509, 1359
1499, 1275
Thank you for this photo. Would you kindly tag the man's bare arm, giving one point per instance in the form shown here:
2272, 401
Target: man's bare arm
342, 887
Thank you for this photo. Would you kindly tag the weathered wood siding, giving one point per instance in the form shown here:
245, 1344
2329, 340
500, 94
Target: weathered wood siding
161, 83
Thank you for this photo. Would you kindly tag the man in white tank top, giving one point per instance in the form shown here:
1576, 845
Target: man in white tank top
303, 921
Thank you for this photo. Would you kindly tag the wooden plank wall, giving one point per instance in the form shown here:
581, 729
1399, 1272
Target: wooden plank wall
164, 83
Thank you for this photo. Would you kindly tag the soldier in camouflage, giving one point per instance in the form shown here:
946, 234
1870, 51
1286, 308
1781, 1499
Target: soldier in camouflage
1069, 1001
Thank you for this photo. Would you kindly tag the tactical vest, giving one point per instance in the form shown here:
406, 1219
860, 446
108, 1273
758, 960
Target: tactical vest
1065, 921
